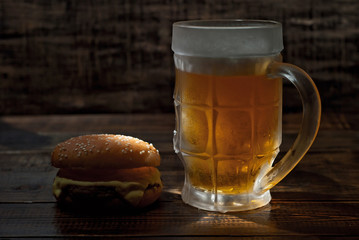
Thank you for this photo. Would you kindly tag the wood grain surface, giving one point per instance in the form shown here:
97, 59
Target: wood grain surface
317, 200
114, 56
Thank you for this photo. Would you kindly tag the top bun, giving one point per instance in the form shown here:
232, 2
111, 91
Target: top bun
104, 151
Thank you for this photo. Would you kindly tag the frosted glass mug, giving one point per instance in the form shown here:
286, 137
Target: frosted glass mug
228, 104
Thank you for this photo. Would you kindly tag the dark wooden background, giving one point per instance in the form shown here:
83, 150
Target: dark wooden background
109, 56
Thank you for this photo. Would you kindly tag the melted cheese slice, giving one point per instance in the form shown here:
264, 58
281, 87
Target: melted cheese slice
131, 191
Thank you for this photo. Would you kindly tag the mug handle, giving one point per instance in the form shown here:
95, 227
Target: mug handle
310, 122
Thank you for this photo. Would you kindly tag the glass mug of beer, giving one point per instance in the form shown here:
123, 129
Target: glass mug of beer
228, 105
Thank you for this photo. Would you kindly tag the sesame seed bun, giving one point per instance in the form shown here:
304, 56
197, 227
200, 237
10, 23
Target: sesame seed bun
104, 151
106, 170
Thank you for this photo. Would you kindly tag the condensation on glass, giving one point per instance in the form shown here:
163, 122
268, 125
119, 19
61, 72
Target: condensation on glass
228, 104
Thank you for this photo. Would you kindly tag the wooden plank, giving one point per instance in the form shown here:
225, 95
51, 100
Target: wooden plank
28, 177
144, 122
115, 56
283, 237
44, 132
88, 122
326, 141
317, 200
175, 218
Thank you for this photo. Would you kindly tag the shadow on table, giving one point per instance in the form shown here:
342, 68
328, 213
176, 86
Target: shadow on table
102, 222
12, 138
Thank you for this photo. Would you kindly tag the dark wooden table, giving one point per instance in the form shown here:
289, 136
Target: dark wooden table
318, 200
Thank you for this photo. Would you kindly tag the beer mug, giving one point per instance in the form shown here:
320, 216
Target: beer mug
228, 105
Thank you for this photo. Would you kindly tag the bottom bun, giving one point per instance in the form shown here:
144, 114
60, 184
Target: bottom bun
105, 197
109, 193
150, 196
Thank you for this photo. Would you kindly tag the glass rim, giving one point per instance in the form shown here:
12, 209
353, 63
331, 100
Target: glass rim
227, 37
226, 24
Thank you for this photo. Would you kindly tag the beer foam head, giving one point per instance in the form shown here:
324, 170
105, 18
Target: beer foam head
227, 38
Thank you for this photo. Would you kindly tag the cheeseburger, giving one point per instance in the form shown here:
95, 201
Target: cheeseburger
106, 170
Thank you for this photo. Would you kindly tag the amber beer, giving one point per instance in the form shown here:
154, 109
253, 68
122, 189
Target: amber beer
229, 127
